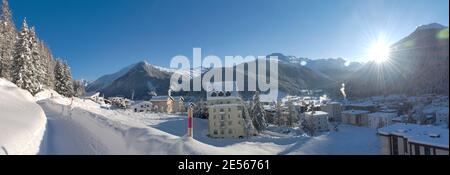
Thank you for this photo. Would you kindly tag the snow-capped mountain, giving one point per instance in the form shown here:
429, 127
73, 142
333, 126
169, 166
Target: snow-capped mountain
106, 80
195, 72
144, 77
336, 69
431, 26
419, 64
139, 79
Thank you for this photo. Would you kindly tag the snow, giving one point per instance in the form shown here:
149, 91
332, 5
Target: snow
22, 121
85, 128
46, 93
382, 115
422, 134
316, 113
355, 112
430, 26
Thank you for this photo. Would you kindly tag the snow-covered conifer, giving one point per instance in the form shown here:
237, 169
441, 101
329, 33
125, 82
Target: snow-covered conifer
23, 67
8, 37
258, 114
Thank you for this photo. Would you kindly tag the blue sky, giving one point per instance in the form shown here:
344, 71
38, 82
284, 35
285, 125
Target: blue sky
101, 36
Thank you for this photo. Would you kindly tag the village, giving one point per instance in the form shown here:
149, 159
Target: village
416, 125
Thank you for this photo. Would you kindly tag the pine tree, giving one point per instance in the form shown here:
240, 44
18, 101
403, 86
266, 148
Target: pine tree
279, 113
64, 82
68, 80
258, 114
23, 67
49, 65
307, 125
79, 88
201, 110
59, 77
8, 35
39, 71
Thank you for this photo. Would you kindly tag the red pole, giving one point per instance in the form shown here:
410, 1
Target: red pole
190, 123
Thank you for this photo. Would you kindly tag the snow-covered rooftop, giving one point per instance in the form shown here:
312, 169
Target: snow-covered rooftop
382, 115
355, 112
422, 134
362, 104
316, 113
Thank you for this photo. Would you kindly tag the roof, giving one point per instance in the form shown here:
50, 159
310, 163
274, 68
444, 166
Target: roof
355, 112
316, 113
136, 103
160, 98
91, 94
383, 115
421, 134
362, 104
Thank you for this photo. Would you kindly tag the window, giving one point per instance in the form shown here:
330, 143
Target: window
222, 124
214, 110
230, 123
417, 150
216, 132
229, 116
222, 132
427, 151
394, 145
222, 110
222, 117
229, 109
230, 131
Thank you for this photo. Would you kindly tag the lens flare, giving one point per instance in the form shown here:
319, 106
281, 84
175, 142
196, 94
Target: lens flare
379, 52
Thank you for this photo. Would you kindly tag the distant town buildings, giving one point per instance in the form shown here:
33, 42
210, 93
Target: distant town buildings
356, 117
414, 139
95, 97
318, 120
380, 119
120, 102
334, 110
168, 104
143, 106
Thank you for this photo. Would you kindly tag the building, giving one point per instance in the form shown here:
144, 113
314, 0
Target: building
442, 117
380, 119
413, 139
334, 110
364, 106
355, 117
168, 104
226, 115
143, 106
318, 119
120, 102
95, 97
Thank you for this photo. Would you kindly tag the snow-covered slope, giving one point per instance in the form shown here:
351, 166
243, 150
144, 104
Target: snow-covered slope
22, 121
83, 127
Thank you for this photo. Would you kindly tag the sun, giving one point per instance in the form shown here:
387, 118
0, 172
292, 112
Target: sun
380, 51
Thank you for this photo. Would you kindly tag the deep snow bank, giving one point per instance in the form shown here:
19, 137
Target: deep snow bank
76, 130
22, 121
